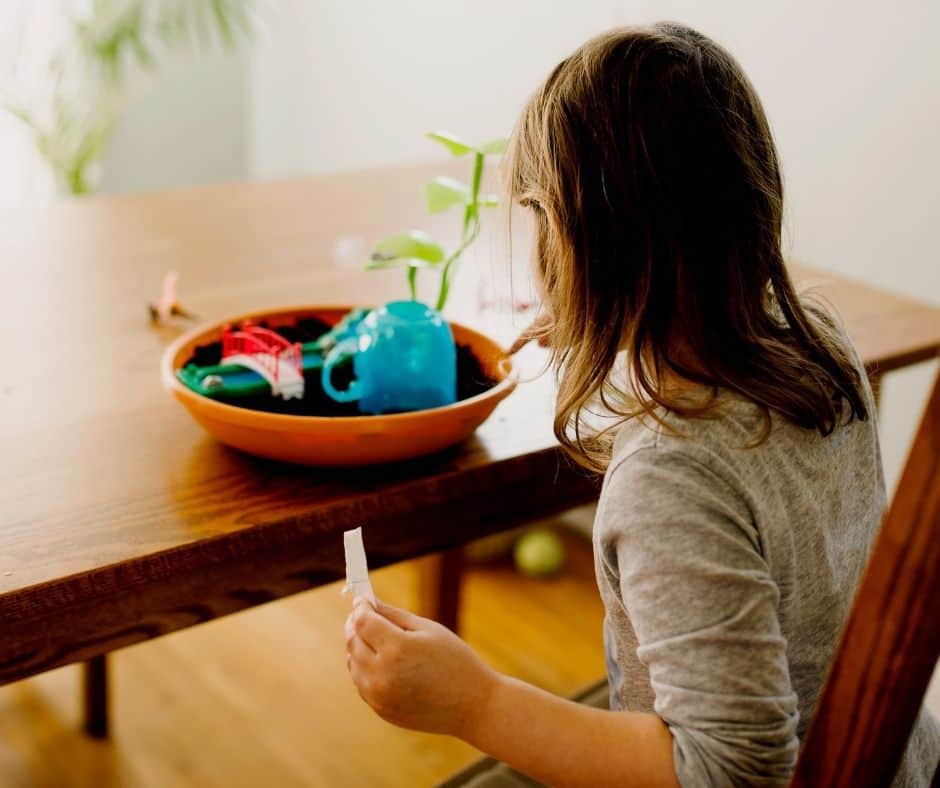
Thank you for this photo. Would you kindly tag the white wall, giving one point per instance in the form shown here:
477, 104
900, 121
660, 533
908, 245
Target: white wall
356, 84
188, 125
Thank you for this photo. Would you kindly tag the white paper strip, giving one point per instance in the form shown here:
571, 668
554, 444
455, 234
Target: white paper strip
357, 571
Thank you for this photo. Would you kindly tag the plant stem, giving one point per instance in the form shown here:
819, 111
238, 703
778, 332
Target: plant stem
450, 262
469, 232
77, 184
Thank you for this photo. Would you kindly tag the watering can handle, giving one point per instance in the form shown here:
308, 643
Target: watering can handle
340, 352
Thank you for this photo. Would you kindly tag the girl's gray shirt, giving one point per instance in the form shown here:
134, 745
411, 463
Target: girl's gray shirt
727, 573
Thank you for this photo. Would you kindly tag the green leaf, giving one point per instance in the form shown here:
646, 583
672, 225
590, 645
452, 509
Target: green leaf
460, 147
222, 22
415, 245
442, 192
380, 263
452, 142
489, 201
494, 147
195, 23
143, 53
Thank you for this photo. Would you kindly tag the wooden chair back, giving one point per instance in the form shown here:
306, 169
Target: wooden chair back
892, 639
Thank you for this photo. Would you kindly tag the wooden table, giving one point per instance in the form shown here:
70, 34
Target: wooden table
121, 521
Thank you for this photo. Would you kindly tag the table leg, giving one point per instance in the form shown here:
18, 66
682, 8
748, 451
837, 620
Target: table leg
439, 587
95, 696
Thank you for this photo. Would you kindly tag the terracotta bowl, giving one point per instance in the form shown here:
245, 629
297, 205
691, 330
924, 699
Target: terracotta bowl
338, 440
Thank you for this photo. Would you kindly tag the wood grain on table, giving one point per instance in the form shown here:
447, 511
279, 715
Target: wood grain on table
121, 521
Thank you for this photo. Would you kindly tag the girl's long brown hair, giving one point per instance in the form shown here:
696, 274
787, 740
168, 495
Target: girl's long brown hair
650, 167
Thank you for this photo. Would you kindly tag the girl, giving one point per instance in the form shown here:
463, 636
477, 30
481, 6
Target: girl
743, 485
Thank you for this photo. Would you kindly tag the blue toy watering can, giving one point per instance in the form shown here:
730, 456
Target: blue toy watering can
404, 359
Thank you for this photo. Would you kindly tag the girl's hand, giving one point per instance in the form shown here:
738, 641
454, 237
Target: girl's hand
538, 330
414, 672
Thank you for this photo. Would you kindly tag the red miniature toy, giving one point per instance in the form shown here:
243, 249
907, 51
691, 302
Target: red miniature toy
266, 352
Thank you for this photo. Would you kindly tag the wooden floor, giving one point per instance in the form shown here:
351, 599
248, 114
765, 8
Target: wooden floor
262, 698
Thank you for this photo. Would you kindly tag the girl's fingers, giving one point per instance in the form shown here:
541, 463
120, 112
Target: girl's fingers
359, 654
521, 341
376, 630
538, 330
532, 332
349, 630
401, 618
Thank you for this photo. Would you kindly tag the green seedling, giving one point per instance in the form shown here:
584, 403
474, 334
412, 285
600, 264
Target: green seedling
415, 250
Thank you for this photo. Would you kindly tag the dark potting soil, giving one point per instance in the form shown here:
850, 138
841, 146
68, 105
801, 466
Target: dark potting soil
471, 378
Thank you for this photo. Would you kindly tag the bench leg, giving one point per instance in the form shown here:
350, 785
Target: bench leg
95, 696
439, 587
